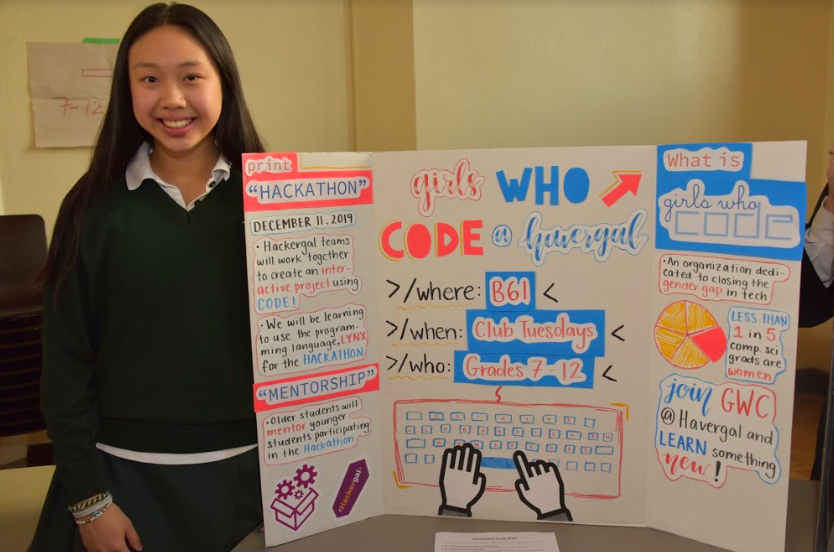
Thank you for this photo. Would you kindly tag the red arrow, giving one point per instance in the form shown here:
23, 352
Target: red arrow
627, 181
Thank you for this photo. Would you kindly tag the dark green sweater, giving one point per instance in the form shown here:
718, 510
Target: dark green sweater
148, 345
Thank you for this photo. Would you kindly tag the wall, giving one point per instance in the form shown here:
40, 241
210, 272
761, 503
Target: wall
531, 73
278, 44
382, 65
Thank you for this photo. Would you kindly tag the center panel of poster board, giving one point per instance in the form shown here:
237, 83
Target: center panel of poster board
460, 286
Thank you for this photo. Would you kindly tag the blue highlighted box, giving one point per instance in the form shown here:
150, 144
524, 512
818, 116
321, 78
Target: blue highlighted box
590, 467
606, 467
510, 291
410, 458
503, 332
439, 442
479, 417
415, 443
470, 365
531, 447
572, 466
773, 228
605, 451
549, 419
573, 435
497, 462
429, 459
436, 416
413, 415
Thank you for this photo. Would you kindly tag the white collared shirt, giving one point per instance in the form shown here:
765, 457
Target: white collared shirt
819, 244
139, 170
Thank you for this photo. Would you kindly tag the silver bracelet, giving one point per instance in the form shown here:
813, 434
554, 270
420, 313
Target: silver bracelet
97, 514
91, 509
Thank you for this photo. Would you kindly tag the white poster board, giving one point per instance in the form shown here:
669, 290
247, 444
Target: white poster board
598, 335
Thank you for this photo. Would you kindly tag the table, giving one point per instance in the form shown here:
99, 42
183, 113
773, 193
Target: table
21, 498
22, 492
416, 534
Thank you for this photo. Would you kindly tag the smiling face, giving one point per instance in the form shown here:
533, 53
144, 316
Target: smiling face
176, 91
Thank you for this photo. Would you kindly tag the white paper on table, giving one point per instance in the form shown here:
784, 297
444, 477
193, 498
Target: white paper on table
495, 542
70, 86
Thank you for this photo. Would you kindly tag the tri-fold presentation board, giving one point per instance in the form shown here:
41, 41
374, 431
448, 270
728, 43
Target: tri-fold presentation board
598, 335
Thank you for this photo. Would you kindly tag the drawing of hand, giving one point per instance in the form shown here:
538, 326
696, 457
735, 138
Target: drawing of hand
461, 482
540, 487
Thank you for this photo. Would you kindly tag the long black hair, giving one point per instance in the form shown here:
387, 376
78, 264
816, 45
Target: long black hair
120, 135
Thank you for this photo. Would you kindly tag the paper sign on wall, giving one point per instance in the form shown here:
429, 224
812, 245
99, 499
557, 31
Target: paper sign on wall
597, 335
70, 88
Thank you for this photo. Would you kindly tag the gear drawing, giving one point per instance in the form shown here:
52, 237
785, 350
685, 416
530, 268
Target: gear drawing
305, 476
284, 489
299, 494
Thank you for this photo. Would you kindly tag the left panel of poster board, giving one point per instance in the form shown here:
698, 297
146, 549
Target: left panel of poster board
312, 302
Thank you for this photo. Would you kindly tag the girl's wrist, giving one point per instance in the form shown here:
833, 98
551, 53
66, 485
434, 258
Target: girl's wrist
89, 510
84, 520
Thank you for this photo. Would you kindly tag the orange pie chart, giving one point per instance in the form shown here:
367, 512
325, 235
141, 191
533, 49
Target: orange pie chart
688, 336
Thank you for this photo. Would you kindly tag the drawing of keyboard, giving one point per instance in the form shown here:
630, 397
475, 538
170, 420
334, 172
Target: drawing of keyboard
585, 442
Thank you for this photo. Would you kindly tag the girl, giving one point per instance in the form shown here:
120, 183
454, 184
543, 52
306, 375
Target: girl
147, 364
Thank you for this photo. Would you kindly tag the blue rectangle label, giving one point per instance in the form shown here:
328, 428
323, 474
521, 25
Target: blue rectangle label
707, 201
511, 291
544, 332
523, 370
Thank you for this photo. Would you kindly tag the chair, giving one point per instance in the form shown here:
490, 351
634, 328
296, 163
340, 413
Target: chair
22, 258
